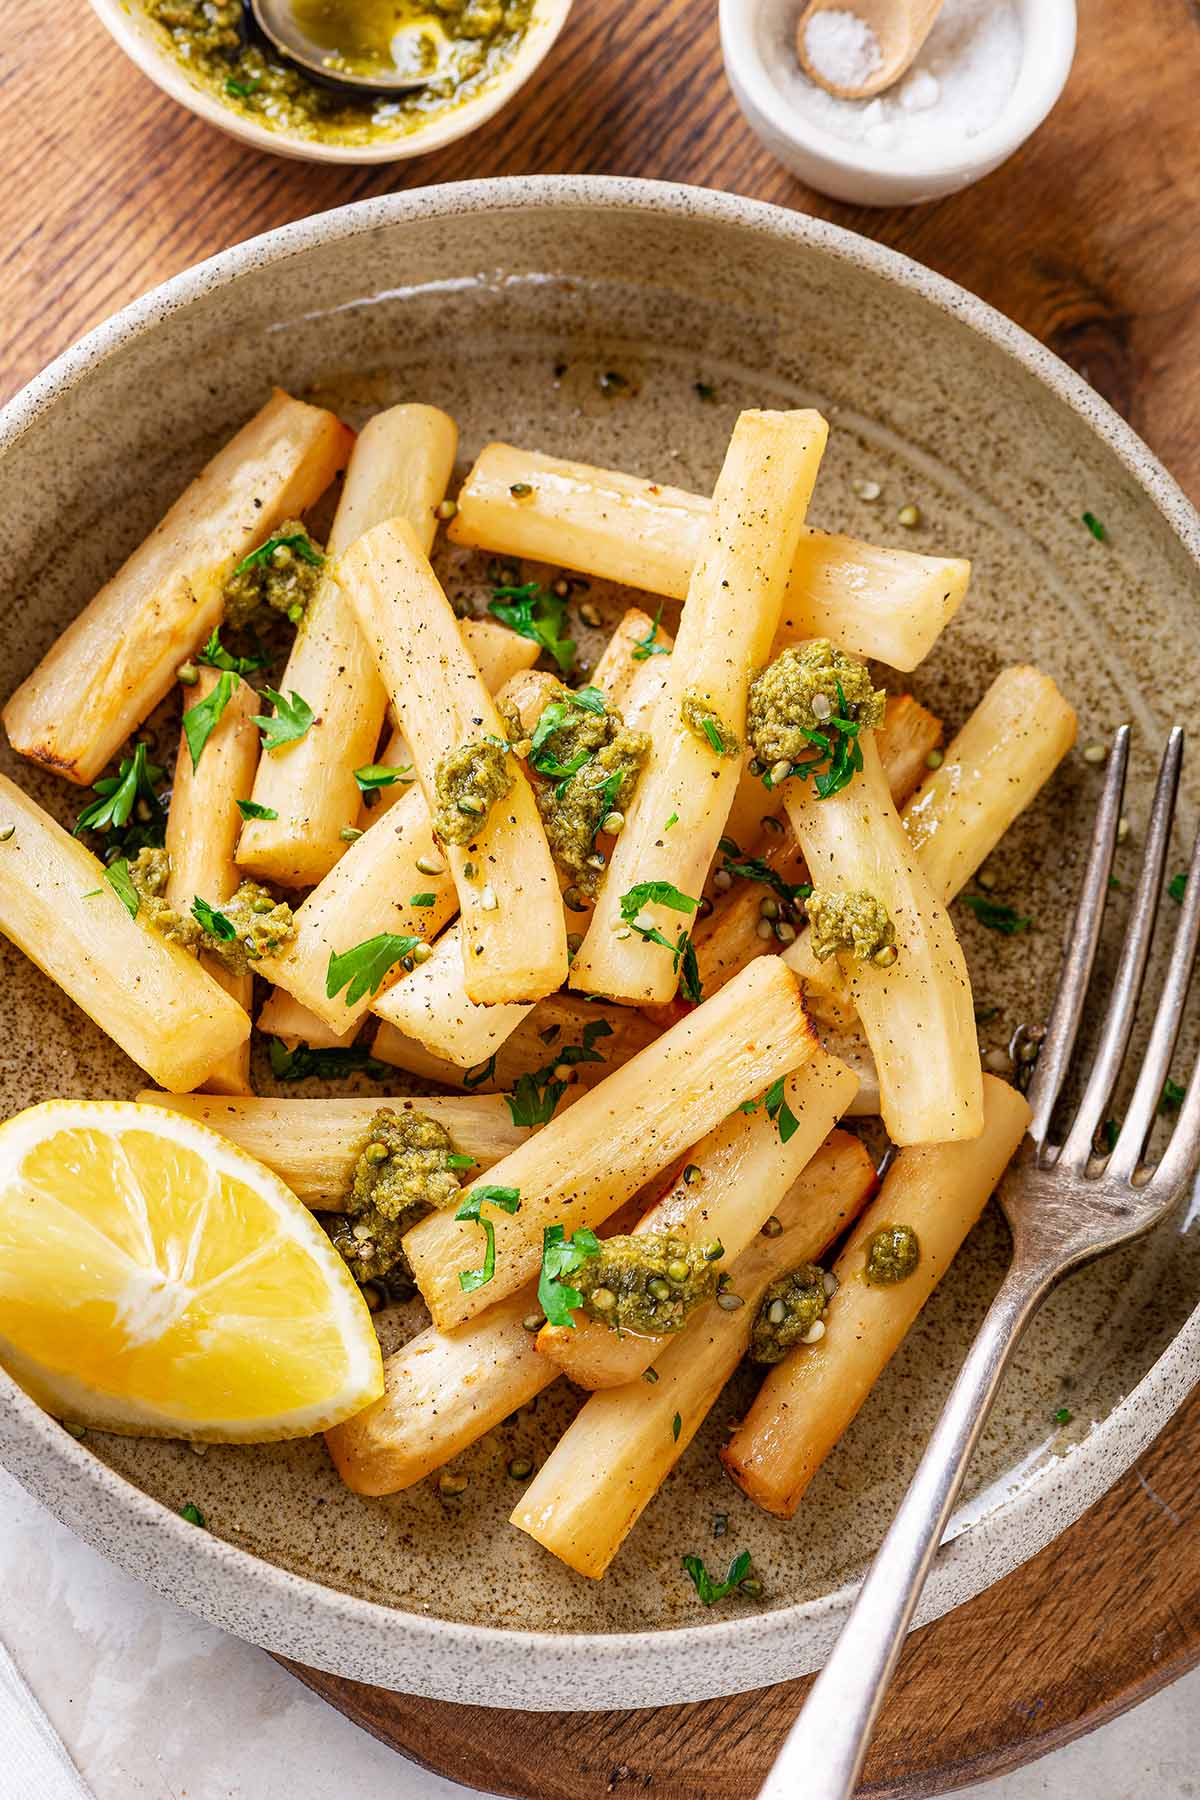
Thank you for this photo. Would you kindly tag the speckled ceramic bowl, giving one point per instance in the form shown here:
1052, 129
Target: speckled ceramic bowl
504, 302
147, 46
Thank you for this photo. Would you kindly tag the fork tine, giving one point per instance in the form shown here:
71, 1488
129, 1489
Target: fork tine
1183, 1151
1131, 969
1143, 1107
1062, 1026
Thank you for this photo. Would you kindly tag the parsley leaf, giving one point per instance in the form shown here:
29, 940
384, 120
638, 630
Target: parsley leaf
1176, 887
117, 877
373, 776
676, 1427
191, 1512
201, 720
654, 893
1172, 1096
216, 656
779, 1110
649, 646
536, 1095
424, 899
213, 921
753, 868
485, 1071
711, 1591
838, 757
456, 1160
301, 1062
508, 1199
689, 973
298, 542
1095, 527
241, 90
118, 796
292, 719
250, 809
365, 966
561, 1256
534, 613
995, 915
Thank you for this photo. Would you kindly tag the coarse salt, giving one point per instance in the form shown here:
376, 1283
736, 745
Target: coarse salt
842, 48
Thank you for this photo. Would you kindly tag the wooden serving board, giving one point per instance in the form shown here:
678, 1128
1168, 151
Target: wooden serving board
1089, 238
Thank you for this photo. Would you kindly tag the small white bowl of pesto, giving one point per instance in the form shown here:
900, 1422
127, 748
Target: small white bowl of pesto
208, 56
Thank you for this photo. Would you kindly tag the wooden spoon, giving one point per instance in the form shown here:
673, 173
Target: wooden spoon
900, 28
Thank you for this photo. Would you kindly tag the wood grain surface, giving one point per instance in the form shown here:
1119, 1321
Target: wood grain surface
1089, 238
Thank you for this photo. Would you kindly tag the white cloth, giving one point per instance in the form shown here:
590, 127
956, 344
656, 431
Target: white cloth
34, 1764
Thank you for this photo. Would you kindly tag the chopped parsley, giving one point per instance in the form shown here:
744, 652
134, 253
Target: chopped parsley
216, 656
298, 542
676, 1427
553, 717
373, 776
1172, 1096
201, 720
291, 720
425, 899
673, 820
753, 868
996, 916
1110, 1131
456, 1160
1176, 887
561, 1257
191, 1512
251, 809
1063, 1416
241, 90
364, 967
484, 1071
303, 1062
508, 1199
534, 612
711, 1591
1095, 527
214, 922
121, 798
119, 880
654, 893
775, 1100
646, 647
535, 1096
712, 732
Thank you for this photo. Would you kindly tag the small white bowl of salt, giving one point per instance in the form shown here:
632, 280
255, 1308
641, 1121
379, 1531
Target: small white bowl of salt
982, 82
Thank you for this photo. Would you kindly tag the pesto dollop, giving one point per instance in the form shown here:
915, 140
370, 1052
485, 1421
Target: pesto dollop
704, 722
647, 1283
402, 1173
460, 44
893, 1253
587, 763
790, 1308
261, 925
802, 693
852, 924
468, 783
283, 574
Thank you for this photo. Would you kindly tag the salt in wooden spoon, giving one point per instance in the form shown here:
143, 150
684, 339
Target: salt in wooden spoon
900, 27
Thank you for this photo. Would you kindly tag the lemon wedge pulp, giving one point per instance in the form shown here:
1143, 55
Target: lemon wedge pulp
155, 1279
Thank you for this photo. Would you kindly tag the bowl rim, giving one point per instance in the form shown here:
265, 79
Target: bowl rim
168, 74
488, 1665
1047, 53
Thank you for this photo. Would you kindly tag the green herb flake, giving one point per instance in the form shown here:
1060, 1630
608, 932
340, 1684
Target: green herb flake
654, 893
484, 1071
779, 1110
1063, 1416
646, 647
537, 614
303, 1063
676, 1427
426, 899
118, 879
1095, 527
561, 1256
216, 656
373, 776
508, 1199
209, 919
1110, 1131
711, 1591
1177, 887
240, 90
712, 732
996, 916
673, 820
298, 542
456, 1160
191, 1512
292, 719
201, 720
119, 794
753, 868
1172, 1096
364, 967
251, 809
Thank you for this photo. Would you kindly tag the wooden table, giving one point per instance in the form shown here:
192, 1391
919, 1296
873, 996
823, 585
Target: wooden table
1088, 238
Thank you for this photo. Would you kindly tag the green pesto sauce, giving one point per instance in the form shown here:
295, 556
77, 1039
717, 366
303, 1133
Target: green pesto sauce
262, 924
781, 709
790, 1308
852, 924
893, 1253
467, 41
704, 722
402, 1174
647, 1283
573, 807
286, 581
468, 784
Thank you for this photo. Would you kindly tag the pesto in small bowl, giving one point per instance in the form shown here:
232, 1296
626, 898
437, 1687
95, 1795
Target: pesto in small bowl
468, 42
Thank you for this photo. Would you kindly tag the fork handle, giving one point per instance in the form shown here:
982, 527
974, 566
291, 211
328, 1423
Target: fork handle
823, 1752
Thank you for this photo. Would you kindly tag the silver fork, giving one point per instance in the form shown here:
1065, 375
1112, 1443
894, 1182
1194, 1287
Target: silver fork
1064, 1205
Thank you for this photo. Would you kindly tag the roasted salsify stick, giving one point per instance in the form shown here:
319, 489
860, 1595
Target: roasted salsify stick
615, 1455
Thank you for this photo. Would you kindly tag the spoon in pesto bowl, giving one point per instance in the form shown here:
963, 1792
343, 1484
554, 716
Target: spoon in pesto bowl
361, 46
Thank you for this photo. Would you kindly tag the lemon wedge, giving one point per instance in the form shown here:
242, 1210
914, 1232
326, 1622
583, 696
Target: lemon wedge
156, 1280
